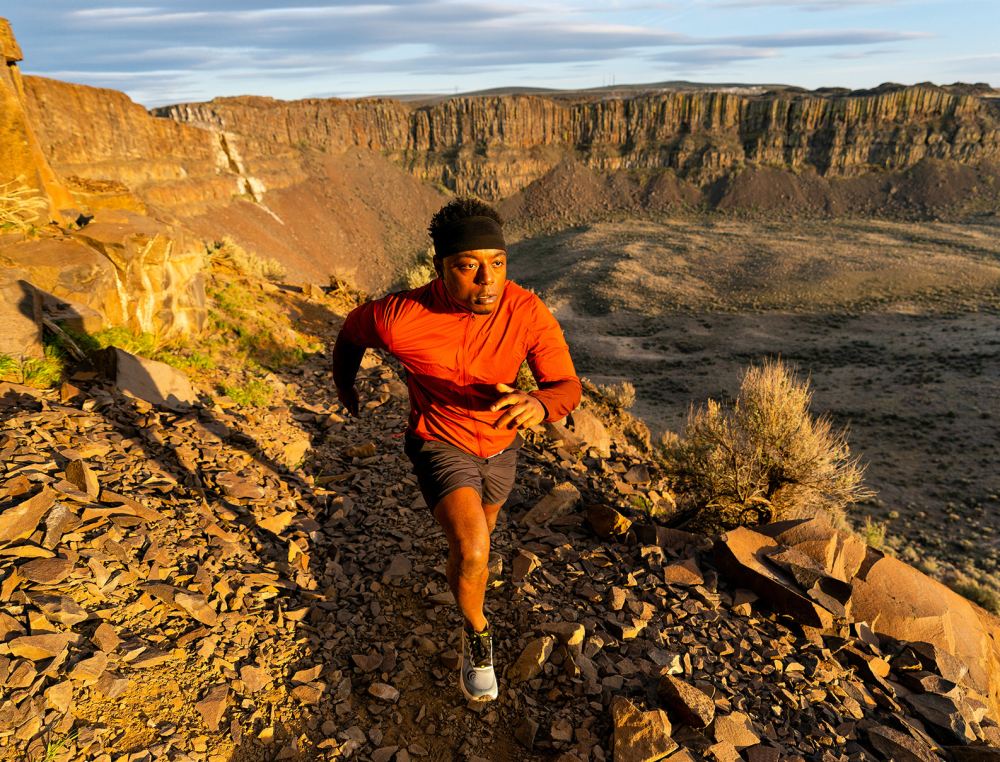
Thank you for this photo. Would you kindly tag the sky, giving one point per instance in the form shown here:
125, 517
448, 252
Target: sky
173, 51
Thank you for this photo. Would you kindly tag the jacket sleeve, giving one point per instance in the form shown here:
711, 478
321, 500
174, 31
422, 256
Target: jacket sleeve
365, 326
559, 388
362, 329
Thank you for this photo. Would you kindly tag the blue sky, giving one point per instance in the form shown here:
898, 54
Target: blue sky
191, 50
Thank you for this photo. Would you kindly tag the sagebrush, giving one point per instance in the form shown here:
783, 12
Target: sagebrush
764, 457
421, 271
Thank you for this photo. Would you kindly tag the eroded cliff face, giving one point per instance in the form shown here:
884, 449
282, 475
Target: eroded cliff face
350, 213
122, 269
495, 146
112, 153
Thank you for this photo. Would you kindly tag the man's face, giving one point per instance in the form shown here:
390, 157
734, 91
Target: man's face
474, 279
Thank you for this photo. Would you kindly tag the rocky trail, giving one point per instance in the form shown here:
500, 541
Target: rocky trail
229, 583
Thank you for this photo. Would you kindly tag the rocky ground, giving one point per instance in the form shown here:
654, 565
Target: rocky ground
230, 583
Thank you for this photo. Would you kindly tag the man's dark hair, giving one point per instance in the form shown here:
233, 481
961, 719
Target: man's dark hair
460, 209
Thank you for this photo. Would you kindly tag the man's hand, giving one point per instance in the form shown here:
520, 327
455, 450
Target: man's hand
349, 399
523, 410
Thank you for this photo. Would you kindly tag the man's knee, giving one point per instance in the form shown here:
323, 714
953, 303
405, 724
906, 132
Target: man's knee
472, 555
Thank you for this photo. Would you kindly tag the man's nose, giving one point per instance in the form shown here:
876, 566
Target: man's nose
484, 275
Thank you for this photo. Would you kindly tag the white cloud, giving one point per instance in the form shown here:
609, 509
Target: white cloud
805, 5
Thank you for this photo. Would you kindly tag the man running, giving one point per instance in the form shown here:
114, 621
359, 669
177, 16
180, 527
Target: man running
462, 339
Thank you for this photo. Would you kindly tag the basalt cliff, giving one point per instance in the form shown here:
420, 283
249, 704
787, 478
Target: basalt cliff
495, 146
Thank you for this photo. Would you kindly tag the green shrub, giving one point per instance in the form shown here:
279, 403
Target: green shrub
620, 395
249, 324
252, 393
873, 532
44, 372
143, 344
764, 457
422, 271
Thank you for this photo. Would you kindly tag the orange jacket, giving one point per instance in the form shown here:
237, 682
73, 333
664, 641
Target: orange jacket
454, 359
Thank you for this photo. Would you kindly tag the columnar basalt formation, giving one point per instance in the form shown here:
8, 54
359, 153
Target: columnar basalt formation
495, 146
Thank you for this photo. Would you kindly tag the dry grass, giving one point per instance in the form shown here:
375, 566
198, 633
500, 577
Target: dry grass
765, 457
228, 255
21, 207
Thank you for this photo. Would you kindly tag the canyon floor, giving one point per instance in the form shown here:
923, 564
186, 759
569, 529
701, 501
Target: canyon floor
897, 325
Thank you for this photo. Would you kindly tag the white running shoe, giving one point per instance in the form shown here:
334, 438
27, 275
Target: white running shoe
476, 677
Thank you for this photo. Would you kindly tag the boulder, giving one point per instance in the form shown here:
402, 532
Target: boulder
158, 271
19, 519
149, 380
900, 602
559, 501
840, 554
127, 270
532, 659
692, 705
742, 553
899, 746
640, 736
73, 316
20, 316
68, 271
903, 603
587, 428
606, 521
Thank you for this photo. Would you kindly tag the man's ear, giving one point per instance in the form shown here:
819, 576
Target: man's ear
438, 263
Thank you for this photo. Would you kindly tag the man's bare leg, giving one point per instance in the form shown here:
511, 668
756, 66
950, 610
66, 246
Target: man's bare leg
464, 519
491, 511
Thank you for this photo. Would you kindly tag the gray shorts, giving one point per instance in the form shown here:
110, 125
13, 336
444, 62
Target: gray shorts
442, 468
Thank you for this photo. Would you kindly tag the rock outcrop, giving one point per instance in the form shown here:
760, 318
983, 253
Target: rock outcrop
22, 161
125, 158
902, 604
120, 268
126, 270
313, 212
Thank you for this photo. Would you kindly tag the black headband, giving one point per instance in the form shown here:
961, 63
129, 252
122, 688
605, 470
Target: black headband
468, 234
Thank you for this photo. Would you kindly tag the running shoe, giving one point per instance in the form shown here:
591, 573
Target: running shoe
476, 677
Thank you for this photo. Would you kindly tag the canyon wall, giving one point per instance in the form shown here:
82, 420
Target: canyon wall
495, 146
126, 158
349, 213
345, 187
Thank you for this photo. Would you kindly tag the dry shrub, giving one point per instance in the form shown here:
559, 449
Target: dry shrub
764, 458
21, 207
227, 254
421, 271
